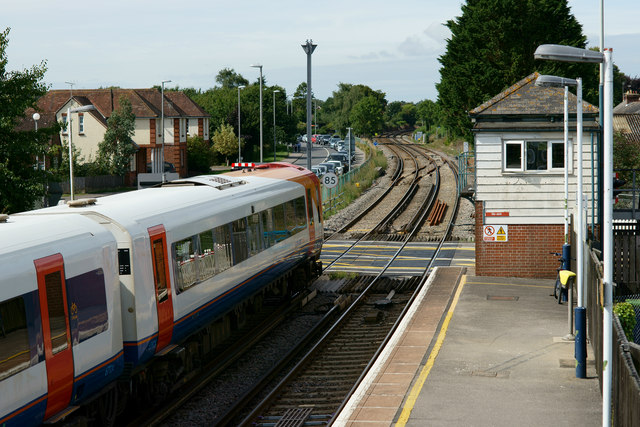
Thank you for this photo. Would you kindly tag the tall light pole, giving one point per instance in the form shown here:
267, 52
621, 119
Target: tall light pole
308, 48
574, 54
580, 310
239, 137
260, 66
162, 129
69, 112
36, 117
274, 123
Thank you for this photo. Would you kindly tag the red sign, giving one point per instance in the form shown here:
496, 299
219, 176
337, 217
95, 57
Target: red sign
497, 214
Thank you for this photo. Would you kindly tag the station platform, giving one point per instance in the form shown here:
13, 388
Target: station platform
479, 351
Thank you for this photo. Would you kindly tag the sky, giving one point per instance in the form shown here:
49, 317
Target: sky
391, 46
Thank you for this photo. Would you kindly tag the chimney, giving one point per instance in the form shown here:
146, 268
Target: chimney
630, 96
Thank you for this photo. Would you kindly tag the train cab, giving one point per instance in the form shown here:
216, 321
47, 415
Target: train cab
60, 323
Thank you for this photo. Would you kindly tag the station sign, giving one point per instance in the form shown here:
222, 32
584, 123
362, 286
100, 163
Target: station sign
495, 233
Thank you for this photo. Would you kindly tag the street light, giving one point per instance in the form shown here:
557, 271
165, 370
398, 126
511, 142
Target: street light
239, 153
308, 48
260, 66
36, 117
69, 112
574, 54
580, 311
274, 123
162, 128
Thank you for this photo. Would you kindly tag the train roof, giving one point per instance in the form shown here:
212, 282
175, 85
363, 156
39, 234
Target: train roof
204, 195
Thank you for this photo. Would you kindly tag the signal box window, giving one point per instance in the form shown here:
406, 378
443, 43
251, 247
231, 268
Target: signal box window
533, 156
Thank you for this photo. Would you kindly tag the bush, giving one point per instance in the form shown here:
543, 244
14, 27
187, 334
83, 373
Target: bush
627, 316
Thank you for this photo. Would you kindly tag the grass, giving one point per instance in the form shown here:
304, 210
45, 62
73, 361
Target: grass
361, 181
337, 275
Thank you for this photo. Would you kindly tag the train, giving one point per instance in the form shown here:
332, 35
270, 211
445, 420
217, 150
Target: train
119, 297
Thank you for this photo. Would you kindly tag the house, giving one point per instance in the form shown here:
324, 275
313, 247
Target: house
182, 118
626, 117
519, 194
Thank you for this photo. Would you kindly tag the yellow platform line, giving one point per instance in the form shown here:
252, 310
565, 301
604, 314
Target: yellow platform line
424, 373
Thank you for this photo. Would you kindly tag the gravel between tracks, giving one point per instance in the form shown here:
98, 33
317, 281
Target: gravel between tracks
464, 226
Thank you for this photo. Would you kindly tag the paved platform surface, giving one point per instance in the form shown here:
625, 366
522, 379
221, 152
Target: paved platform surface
479, 351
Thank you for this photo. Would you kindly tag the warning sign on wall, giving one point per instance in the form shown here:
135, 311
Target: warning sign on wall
495, 233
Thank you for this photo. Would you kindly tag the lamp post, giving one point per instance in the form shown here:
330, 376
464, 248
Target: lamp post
308, 48
36, 117
580, 311
260, 66
574, 54
69, 112
162, 128
274, 123
239, 153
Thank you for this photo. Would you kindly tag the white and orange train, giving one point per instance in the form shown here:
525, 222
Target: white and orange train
125, 294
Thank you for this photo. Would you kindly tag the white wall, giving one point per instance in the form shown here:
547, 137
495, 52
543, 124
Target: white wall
529, 197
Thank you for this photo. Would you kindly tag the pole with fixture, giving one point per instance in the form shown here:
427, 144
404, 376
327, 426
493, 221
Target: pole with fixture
308, 48
239, 137
69, 130
274, 123
164, 179
260, 66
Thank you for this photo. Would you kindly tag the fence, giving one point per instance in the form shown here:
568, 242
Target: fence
625, 385
87, 184
332, 197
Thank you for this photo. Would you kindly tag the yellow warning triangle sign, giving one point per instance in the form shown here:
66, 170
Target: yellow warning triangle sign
501, 231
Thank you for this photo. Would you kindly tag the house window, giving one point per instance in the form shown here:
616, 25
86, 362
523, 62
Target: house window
64, 123
80, 123
529, 156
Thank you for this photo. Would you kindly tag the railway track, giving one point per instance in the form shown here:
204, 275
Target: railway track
364, 315
317, 387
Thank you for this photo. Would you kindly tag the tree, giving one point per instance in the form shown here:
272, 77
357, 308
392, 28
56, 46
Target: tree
225, 141
21, 184
367, 116
199, 155
491, 47
117, 147
338, 108
227, 78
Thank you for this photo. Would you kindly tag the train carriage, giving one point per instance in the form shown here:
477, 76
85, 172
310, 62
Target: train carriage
197, 251
60, 323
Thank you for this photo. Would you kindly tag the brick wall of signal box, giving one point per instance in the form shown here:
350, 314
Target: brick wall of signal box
526, 254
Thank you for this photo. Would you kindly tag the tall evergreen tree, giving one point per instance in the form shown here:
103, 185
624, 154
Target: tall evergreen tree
21, 183
491, 47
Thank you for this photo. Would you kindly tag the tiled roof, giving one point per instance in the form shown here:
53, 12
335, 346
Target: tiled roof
525, 98
628, 125
145, 102
630, 108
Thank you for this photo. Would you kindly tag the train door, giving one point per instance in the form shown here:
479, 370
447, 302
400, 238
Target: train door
311, 222
55, 330
164, 302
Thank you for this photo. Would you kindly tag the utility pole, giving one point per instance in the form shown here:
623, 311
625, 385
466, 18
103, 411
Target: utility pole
308, 48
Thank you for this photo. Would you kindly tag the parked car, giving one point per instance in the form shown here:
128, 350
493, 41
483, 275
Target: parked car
342, 158
317, 171
322, 168
168, 167
339, 168
330, 167
334, 140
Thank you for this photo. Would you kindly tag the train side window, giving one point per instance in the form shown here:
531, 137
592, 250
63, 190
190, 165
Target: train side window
206, 253
185, 262
290, 215
222, 253
87, 299
255, 241
269, 238
280, 224
14, 336
162, 293
55, 302
239, 230
301, 215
